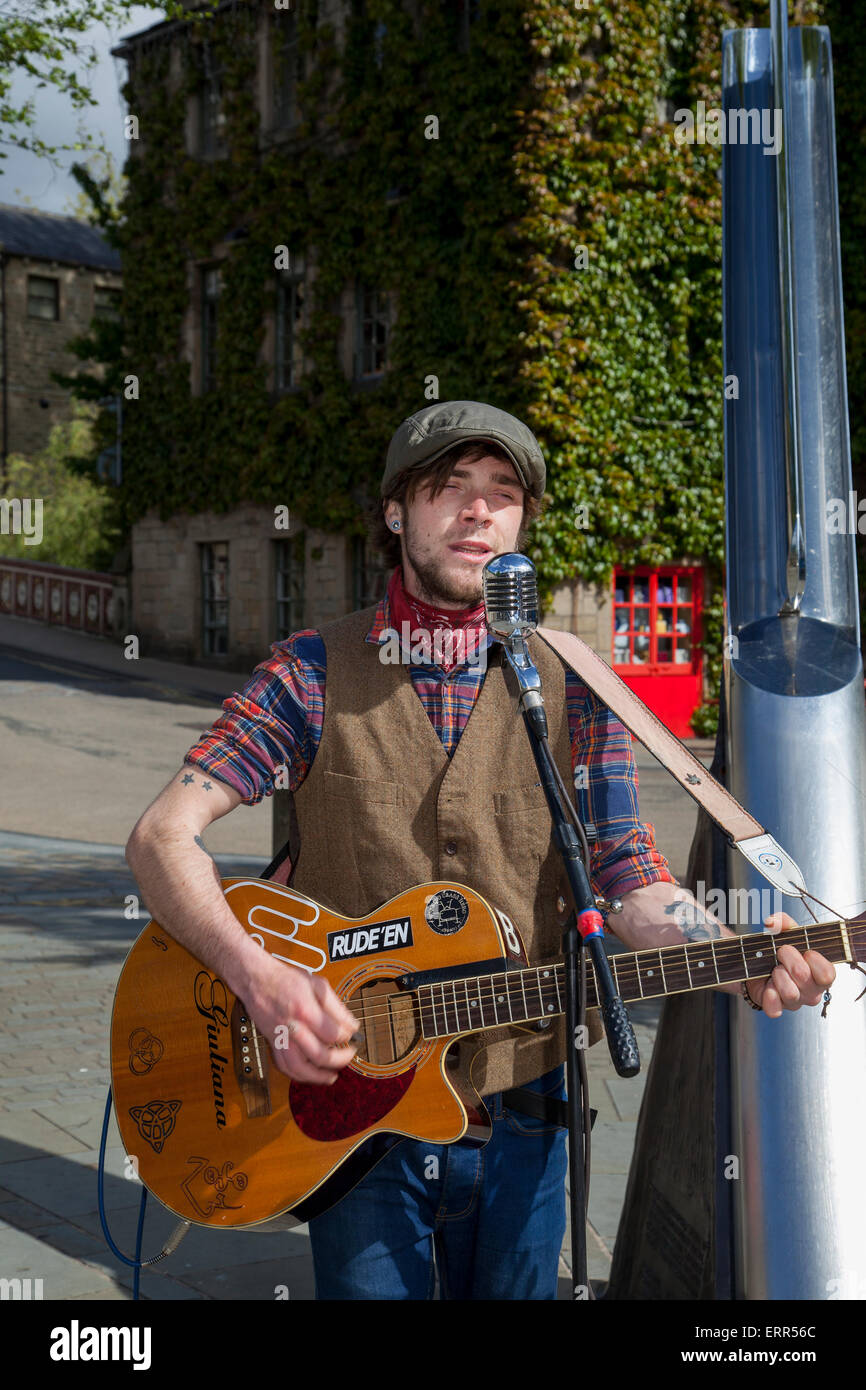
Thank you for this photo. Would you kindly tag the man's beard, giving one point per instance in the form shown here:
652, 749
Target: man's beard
439, 587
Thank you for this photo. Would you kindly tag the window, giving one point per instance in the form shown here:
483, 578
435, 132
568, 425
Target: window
287, 70
211, 284
655, 618
370, 572
290, 308
373, 326
109, 461
215, 598
43, 297
211, 116
106, 302
289, 556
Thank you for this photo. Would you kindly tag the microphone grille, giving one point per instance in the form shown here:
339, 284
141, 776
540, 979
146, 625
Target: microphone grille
510, 589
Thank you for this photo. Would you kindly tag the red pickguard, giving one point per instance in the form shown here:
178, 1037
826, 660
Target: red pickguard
352, 1104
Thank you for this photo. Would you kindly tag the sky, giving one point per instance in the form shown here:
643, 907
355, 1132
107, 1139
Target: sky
29, 181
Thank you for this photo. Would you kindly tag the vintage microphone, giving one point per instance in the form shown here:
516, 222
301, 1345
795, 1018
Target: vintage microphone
510, 592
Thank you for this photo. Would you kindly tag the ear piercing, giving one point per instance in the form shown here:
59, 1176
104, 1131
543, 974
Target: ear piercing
395, 526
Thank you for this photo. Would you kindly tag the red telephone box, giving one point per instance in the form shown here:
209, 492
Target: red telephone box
656, 628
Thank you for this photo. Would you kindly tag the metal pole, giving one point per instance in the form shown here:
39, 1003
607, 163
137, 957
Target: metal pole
3, 463
795, 568
794, 684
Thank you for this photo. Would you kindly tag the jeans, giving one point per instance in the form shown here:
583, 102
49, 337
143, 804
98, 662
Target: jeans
495, 1216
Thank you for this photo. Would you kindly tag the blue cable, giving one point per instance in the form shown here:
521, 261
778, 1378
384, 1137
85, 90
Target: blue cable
136, 1264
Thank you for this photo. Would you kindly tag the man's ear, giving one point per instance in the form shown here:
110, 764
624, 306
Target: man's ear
393, 512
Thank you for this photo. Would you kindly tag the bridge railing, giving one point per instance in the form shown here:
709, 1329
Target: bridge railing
82, 600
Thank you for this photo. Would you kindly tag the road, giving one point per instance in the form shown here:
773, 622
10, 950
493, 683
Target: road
86, 749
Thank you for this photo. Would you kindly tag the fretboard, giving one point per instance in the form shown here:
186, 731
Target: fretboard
524, 995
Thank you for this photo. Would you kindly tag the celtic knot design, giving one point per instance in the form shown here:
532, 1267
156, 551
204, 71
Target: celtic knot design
156, 1121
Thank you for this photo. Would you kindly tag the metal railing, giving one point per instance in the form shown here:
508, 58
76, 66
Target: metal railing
82, 600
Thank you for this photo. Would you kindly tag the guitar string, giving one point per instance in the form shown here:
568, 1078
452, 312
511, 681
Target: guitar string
725, 951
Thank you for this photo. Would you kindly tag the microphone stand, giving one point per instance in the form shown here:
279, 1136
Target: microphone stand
585, 930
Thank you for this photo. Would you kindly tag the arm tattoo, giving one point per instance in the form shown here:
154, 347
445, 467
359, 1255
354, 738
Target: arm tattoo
693, 922
188, 780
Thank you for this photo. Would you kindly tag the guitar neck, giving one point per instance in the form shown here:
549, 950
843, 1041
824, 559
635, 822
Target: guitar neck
524, 995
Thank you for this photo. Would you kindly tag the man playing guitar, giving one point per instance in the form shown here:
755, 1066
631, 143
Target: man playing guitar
348, 711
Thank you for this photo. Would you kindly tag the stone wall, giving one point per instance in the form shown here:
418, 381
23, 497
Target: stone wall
167, 586
585, 609
36, 347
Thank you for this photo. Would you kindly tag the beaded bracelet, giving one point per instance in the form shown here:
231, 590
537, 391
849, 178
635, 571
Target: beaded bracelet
748, 998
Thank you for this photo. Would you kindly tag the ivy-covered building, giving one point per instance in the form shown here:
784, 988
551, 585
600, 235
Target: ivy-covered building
339, 210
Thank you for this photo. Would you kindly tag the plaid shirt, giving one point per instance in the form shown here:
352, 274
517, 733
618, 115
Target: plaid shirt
275, 723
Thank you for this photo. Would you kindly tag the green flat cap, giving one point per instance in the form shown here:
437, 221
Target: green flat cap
430, 432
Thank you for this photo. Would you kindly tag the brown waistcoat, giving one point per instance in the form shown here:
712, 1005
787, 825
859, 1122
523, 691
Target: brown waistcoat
383, 800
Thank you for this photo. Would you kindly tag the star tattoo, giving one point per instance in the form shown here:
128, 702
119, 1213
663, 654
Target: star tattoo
187, 779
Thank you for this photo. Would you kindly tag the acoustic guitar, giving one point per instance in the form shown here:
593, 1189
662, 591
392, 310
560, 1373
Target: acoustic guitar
224, 1139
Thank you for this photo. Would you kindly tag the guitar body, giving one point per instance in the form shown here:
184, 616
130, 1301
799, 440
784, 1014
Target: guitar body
221, 1136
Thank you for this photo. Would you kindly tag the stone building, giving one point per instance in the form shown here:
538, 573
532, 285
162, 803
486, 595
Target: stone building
56, 274
218, 586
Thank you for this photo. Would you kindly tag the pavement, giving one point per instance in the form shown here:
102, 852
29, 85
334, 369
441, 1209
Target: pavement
66, 809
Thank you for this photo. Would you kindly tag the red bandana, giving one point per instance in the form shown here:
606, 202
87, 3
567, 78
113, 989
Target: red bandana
446, 637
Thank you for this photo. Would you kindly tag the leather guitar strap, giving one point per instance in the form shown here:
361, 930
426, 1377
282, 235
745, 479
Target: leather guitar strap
744, 832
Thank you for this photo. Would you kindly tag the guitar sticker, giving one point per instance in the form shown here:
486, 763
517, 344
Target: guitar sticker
265, 920
366, 941
156, 1121
446, 912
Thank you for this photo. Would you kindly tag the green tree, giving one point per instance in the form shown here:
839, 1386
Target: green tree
48, 42
79, 513
102, 187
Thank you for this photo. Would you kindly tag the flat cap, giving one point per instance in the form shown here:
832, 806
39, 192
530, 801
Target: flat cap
428, 433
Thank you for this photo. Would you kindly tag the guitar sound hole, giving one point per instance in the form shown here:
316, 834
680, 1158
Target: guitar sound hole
387, 1022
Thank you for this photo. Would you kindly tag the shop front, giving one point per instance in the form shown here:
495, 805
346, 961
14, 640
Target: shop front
656, 631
